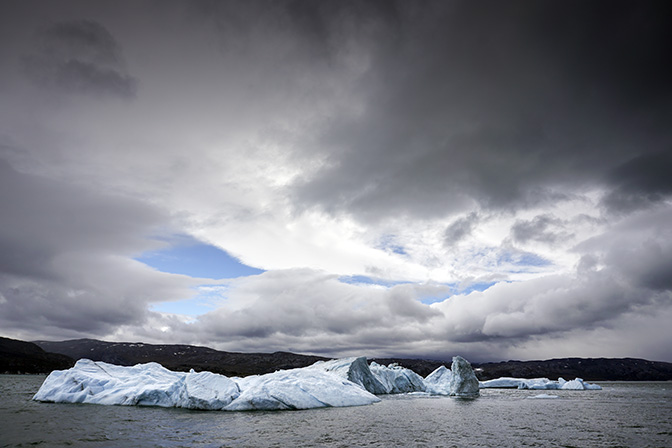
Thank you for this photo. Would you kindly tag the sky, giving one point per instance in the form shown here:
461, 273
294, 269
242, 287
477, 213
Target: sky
373, 178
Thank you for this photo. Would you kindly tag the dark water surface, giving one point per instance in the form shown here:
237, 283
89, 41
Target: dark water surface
621, 415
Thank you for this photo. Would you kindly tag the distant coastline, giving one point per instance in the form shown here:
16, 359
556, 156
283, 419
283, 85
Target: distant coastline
44, 356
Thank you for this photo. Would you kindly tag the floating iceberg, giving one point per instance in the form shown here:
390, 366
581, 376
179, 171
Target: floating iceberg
153, 385
577, 384
340, 382
463, 381
144, 384
538, 384
396, 379
519, 383
459, 381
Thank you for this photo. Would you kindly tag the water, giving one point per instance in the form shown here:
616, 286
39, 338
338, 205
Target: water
621, 415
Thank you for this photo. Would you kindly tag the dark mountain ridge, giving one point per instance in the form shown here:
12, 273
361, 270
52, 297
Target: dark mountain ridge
184, 357
590, 369
180, 357
25, 357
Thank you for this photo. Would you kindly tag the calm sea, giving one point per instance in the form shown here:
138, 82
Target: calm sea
620, 415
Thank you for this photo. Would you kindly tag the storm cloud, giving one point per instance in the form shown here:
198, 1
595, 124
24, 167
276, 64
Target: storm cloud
508, 104
80, 57
641, 182
460, 229
65, 258
543, 228
418, 178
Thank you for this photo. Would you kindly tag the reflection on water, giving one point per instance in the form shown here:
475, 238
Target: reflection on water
623, 414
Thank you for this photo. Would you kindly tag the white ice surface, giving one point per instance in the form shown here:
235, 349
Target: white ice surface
153, 385
352, 369
438, 382
544, 396
144, 384
538, 384
298, 389
577, 384
397, 379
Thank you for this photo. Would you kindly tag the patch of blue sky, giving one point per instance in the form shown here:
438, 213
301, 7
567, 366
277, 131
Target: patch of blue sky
209, 298
389, 243
188, 307
433, 299
523, 259
364, 280
188, 256
455, 291
480, 287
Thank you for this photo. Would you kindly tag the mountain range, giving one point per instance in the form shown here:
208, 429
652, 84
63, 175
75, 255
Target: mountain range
45, 356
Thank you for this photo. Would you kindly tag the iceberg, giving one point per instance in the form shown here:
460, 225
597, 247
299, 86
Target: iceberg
144, 384
335, 383
396, 379
153, 385
460, 380
520, 383
538, 384
577, 384
463, 381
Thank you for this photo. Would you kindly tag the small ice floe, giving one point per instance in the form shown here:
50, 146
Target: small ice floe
538, 383
544, 396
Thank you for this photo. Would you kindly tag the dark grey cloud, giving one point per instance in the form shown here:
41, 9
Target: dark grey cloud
505, 103
640, 183
639, 250
460, 229
52, 217
79, 56
298, 29
65, 265
543, 228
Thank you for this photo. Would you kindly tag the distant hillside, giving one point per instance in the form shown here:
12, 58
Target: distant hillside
180, 357
26, 357
590, 369
185, 357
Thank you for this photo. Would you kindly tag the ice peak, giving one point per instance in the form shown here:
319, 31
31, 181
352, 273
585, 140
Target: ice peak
463, 382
